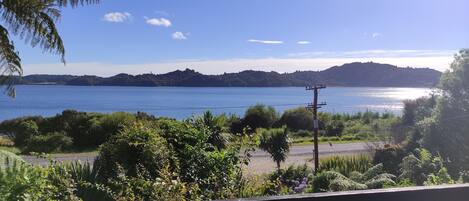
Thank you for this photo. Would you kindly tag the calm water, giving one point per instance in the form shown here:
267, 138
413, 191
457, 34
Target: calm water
181, 102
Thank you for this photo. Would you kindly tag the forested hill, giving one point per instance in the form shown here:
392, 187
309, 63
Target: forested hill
352, 74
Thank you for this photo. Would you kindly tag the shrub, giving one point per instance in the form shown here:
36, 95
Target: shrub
297, 119
260, 116
334, 181
108, 125
235, 124
335, 128
424, 169
441, 177
373, 172
321, 181
216, 172
213, 127
135, 146
357, 128
25, 130
345, 164
76, 125
87, 182
380, 183
291, 177
390, 156
51, 142
88, 130
371, 179
344, 184
19, 181
166, 187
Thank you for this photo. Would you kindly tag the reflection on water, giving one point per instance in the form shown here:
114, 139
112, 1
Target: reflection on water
182, 102
397, 93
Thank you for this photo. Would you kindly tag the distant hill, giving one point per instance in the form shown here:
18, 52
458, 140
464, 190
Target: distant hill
352, 75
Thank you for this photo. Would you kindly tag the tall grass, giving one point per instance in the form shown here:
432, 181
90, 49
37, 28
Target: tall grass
346, 164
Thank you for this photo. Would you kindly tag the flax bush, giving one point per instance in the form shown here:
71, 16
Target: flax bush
345, 164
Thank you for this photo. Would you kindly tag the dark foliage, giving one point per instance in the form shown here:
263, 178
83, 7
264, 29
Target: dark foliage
353, 74
87, 130
50, 142
260, 116
390, 156
297, 119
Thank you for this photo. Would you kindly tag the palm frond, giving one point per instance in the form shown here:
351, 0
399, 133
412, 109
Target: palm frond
75, 3
10, 62
34, 21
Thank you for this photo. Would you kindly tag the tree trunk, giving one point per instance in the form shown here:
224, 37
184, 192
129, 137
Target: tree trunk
278, 166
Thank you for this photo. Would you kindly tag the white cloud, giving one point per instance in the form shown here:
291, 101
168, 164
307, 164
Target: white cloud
275, 42
179, 36
303, 42
375, 53
376, 35
117, 16
159, 22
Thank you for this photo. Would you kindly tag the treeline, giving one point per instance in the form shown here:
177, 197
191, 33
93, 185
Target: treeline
353, 74
73, 130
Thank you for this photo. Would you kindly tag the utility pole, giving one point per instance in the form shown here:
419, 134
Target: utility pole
315, 106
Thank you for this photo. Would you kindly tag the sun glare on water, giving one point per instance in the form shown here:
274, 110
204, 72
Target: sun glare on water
399, 93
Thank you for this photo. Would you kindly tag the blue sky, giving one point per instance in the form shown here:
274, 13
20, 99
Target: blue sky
216, 36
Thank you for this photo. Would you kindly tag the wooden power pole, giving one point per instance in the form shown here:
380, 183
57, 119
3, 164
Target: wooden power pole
315, 106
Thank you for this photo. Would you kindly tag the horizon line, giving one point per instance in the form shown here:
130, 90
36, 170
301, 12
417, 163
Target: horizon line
234, 72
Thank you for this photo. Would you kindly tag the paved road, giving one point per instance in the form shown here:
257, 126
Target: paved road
260, 161
324, 149
303, 154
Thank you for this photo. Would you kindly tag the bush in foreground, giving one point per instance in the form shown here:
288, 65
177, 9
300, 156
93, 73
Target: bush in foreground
137, 146
373, 178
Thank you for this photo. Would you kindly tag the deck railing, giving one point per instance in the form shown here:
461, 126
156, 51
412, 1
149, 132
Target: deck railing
459, 192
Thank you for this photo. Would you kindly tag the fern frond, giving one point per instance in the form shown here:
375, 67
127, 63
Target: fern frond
10, 62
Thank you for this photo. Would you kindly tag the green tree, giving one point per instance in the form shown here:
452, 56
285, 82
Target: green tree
335, 128
214, 126
446, 131
25, 130
297, 119
260, 116
34, 22
275, 142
